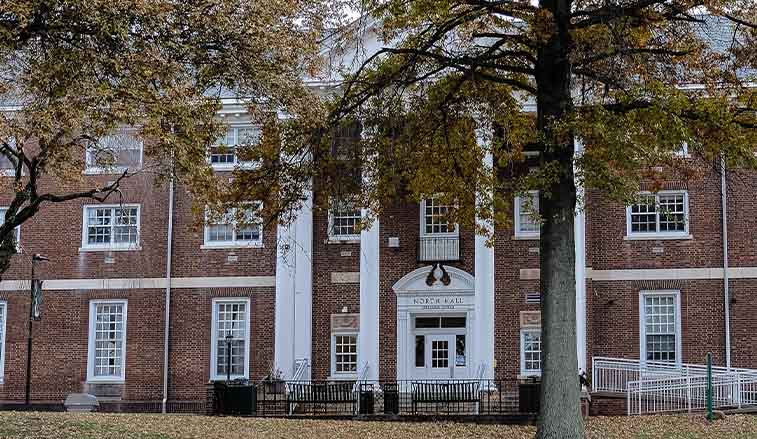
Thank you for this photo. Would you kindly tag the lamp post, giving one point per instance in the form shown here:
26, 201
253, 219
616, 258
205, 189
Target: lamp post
35, 307
229, 339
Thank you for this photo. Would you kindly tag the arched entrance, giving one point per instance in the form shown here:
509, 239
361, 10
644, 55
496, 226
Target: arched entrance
436, 324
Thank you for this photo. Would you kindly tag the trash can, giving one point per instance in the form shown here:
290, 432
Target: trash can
366, 406
528, 396
391, 399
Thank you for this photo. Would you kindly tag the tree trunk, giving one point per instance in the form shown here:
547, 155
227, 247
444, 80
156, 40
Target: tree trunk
560, 415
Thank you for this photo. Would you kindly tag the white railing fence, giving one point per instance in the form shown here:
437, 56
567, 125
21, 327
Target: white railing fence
689, 393
301, 367
614, 374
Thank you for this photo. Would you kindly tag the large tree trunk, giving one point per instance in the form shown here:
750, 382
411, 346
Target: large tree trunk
560, 415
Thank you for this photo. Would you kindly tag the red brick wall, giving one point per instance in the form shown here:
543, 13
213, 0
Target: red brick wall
191, 318
329, 298
403, 221
615, 318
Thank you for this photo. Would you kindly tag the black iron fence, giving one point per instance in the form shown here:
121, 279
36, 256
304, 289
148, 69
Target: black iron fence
374, 398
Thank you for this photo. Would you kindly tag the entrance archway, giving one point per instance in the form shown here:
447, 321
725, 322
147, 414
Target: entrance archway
436, 324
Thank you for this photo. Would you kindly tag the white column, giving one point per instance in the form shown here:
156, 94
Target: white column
368, 339
294, 292
580, 243
404, 343
483, 332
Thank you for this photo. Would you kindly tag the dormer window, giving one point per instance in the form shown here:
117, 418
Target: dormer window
115, 153
224, 154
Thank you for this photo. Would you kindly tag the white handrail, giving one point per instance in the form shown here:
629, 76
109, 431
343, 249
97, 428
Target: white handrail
302, 366
613, 374
689, 393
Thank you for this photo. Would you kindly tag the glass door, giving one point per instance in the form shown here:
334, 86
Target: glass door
440, 350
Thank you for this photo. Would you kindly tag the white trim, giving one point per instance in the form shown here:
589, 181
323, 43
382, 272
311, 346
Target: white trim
518, 234
660, 235
234, 243
214, 341
237, 164
642, 323
91, 378
99, 170
18, 241
340, 239
423, 223
3, 326
523, 371
85, 246
344, 375
144, 283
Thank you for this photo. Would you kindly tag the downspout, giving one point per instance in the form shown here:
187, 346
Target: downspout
167, 318
726, 291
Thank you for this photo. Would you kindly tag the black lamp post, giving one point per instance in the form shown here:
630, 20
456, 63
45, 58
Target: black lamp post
229, 339
35, 308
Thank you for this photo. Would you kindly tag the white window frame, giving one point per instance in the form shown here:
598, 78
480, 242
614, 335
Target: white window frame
214, 341
518, 206
234, 243
657, 234
97, 170
344, 375
340, 238
523, 371
455, 233
120, 378
683, 151
643, 328
18, 228
85, 246
3, 326
243, 164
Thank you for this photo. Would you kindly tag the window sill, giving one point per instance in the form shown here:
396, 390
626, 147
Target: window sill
657, 237
230, 246
106, 380
233, 377
529, 375
106, 171
109, 249
350, 240
233, 167
342, 377
525, 237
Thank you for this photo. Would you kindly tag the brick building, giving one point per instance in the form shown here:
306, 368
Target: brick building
332, 302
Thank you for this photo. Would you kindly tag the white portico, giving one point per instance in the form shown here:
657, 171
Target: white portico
436, 324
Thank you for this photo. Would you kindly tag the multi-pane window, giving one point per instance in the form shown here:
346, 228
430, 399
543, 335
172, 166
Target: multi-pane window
225, 152
116, 152
435, 218
345, 353
107, 340
660, 327
530, 352
344, 221
665, 213
3, 312
111, 227
6, 166
231, 338
527, 215
3, 210
235, 228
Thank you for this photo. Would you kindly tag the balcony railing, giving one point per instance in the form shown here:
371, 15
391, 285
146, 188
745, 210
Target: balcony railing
439, 249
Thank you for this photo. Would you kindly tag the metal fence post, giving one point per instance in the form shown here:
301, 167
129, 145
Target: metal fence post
710, 416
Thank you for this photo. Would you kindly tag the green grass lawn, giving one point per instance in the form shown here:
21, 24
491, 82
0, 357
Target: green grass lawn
116, 426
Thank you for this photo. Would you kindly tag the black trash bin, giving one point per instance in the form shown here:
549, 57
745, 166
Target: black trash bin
528, 396
239, 399
366, 400
391, 399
